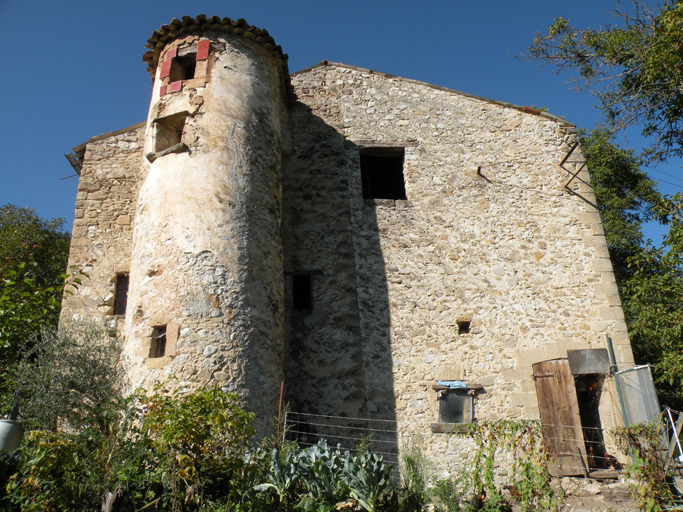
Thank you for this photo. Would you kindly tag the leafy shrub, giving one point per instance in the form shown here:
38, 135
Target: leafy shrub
53, 475
322, 470
531, 484
199, 442
70, 379
189, 455
367, 476
646, 472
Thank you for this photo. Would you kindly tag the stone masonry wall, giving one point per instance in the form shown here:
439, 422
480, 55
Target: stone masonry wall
508, 249
324, 350
488, 234
105, 213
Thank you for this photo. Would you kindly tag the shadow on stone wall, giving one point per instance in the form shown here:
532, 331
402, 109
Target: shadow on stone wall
338, 354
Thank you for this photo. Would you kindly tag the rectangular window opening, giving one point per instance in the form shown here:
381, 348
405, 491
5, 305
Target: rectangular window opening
183, 67
456, 406
302, 292
169, 131
463, 327
158, 346
121, 294
382, 173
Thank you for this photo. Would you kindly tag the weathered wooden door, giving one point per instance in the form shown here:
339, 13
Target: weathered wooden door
559, 410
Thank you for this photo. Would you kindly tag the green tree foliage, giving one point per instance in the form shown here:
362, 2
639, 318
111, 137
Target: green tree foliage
33, 260
626, 197
71, 379
187, 454
649, 278
654, 309
635, 68
24, 233
646, 471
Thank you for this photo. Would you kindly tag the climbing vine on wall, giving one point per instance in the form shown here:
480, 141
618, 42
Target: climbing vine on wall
529, 478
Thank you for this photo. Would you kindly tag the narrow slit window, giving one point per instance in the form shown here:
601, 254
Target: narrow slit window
382, 173
158, 346
121, 294
302, 292
169, 131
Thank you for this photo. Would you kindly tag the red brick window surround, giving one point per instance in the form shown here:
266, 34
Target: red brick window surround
184, 67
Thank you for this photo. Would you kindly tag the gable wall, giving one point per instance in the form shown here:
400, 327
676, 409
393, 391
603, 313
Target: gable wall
513, 251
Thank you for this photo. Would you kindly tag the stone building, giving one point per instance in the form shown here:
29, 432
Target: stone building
355, 235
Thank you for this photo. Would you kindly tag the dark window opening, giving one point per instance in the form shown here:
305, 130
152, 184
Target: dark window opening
121, 294
456, 406
169, 131
302, 292
158, 346
382, 173
183, 67
588, 392
463, 327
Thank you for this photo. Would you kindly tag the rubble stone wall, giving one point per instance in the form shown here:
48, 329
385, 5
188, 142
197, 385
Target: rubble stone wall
105, 213
488, 234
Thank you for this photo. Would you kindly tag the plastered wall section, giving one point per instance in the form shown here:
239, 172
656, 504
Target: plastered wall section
507, 248
207, 248
102, 230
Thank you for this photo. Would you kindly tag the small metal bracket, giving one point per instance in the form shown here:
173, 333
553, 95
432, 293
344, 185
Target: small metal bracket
566, 185
564, 160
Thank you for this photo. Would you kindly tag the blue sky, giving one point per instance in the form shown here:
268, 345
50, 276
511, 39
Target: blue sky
73, 69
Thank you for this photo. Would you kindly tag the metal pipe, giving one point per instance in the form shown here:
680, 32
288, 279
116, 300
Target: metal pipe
613, 370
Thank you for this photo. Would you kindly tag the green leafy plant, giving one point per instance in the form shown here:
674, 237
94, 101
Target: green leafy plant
321, 468
450, 495
644, 442
51, 475
414, 493
200, 440
282, 475
33, 258
71, 379
367, 476
530, 481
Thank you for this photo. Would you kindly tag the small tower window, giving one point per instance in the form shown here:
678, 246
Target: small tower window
158, 345
302, 292
183, 67
382, 173
121, 294
463, 326
169, 131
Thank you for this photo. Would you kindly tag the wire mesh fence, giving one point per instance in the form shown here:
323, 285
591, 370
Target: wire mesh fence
352, 434
578, 450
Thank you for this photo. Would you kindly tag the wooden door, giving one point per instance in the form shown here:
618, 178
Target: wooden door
559, 410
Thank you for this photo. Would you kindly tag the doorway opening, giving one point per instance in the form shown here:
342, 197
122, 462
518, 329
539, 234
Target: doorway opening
588, 392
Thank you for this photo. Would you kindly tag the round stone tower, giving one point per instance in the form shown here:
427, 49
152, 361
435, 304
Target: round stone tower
206, 292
